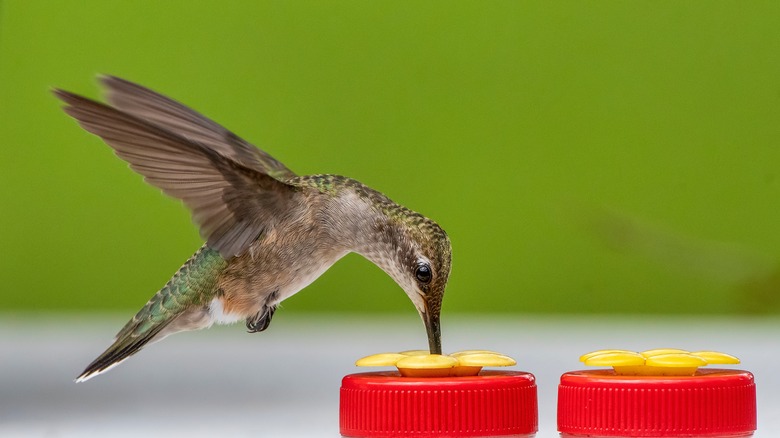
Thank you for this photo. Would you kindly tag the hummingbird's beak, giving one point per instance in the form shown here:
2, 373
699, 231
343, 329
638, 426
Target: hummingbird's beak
433, 328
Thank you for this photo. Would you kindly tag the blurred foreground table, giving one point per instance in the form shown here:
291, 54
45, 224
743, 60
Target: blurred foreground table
285, 382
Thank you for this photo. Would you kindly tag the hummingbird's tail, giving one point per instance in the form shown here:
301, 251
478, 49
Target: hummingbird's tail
181, 305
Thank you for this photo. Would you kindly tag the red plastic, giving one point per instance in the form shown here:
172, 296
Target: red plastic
385, 405
713, 402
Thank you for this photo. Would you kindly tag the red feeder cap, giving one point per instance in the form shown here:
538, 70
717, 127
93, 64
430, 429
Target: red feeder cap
713, 402
384, 405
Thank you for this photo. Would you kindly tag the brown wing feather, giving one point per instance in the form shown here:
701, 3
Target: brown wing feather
170, 115
232, 204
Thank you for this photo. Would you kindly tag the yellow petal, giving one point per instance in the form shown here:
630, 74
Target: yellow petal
715, 357
380, 360
485, 360
657, 351
622, 358
675, 360
465, 352
585, 357
429, 361
415, 352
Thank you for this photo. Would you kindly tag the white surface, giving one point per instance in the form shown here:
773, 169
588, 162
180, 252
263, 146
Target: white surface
284, 382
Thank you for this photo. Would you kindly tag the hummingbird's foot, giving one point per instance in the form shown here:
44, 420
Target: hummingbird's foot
261, 321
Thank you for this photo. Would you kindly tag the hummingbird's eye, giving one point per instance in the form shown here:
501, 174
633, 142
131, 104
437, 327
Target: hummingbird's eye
423, 273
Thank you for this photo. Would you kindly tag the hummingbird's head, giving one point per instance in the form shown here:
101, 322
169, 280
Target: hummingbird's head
425, 268
412, 249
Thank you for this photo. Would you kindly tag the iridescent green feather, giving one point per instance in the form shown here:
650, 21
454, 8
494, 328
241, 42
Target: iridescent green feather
193, 285
334, 184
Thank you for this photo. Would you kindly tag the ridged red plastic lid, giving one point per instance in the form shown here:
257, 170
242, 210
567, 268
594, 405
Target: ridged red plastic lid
712, 402
384, 404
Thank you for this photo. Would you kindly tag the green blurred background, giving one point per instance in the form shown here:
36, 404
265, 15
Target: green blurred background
583, 156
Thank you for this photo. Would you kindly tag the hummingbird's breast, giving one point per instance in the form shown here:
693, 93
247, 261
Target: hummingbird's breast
284, 260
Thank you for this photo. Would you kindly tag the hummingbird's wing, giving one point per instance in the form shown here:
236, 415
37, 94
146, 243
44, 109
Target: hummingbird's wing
172, 116
231, 203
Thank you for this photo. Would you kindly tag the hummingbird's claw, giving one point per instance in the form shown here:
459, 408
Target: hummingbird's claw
261, 320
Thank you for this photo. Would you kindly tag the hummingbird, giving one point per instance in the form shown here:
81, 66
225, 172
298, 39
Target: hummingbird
268, 232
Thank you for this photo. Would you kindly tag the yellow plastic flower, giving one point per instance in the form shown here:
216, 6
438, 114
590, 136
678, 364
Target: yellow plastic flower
659, 362
419, 363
